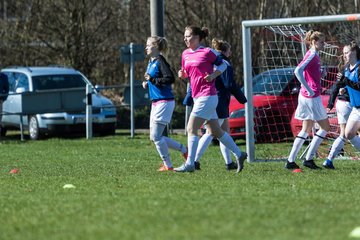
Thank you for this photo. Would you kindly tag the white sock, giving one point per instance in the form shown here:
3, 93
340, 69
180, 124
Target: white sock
193, 142
230, 144
226, 153
336, 148
175, 145
315, 143
355, 141
204, 142
163, 151
298, 142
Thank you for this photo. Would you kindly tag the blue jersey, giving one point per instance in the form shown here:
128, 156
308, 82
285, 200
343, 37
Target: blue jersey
161, 78
353, 85
226, 86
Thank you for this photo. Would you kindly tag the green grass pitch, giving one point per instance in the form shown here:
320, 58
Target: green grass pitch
119, 194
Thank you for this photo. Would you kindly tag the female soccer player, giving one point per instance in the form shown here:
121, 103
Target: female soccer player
310, 107
159, 78
198, 64
351, 79
343, 110
225, 85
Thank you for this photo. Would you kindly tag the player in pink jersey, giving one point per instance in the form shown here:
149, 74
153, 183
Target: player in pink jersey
310, 107
201, 65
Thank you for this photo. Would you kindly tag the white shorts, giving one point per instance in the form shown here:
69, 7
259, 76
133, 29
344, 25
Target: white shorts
310, 109
343, 110
205, 107
355, 115
161, 112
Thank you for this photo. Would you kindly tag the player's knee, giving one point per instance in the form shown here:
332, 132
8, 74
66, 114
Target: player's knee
155, 137
350, 135
190, 130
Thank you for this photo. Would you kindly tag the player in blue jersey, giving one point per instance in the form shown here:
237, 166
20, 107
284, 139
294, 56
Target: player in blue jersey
343, 110
351, 79
158, 79
225, 86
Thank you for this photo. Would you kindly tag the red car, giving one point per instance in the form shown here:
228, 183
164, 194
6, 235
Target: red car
275, 96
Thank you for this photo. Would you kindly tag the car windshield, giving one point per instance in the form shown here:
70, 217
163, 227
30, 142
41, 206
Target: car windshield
48, 82
271, 84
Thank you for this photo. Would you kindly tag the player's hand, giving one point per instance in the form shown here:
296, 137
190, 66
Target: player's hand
182, 74
342, 91
339, 76
144, 84
311, 93
147, 76
208, 77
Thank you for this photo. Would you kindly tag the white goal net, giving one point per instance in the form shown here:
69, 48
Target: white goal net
271, 87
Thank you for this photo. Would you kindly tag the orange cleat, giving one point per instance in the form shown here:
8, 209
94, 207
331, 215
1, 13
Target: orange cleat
164, 168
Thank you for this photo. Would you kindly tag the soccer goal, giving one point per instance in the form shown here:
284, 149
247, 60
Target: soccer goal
272, 48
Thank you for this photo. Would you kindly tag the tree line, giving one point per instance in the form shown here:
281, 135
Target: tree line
87, 34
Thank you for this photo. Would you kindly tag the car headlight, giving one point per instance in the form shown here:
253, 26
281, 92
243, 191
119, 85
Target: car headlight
237, 113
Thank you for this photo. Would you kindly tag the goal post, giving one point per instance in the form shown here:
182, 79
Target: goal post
247, 26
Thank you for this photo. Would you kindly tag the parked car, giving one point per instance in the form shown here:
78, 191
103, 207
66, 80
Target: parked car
275, 96
51, 80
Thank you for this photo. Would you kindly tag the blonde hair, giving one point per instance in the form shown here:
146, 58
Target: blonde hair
159, 42
220, 45
313, 36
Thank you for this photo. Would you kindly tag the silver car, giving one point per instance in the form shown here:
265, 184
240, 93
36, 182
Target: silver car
67, 115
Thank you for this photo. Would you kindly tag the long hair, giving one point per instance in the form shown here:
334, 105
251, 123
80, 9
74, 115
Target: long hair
220, 45
160, 43
355, 47
197, 31
313, 35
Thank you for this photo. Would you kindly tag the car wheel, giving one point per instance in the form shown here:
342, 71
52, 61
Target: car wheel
34, 129
3, 131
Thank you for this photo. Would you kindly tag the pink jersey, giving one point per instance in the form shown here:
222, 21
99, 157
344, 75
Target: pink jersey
197, 65
311, 68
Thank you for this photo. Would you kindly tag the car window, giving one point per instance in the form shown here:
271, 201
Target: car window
271, 84
17, 80
58, 82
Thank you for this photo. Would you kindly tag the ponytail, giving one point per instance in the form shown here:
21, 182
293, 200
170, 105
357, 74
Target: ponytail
312, 35
160, 43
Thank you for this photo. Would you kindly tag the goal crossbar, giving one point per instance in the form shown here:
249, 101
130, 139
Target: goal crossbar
247, 66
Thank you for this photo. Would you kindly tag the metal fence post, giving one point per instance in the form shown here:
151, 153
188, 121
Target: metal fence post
89, 130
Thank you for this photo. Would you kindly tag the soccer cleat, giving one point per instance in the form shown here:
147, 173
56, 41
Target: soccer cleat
231, 166
185, 168
291, 165
310, 164
197, 165
328, 164
240, 162
164, 168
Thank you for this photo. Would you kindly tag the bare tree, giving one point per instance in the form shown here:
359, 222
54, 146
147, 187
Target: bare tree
87, 34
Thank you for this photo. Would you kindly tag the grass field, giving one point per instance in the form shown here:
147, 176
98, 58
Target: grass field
120, 195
